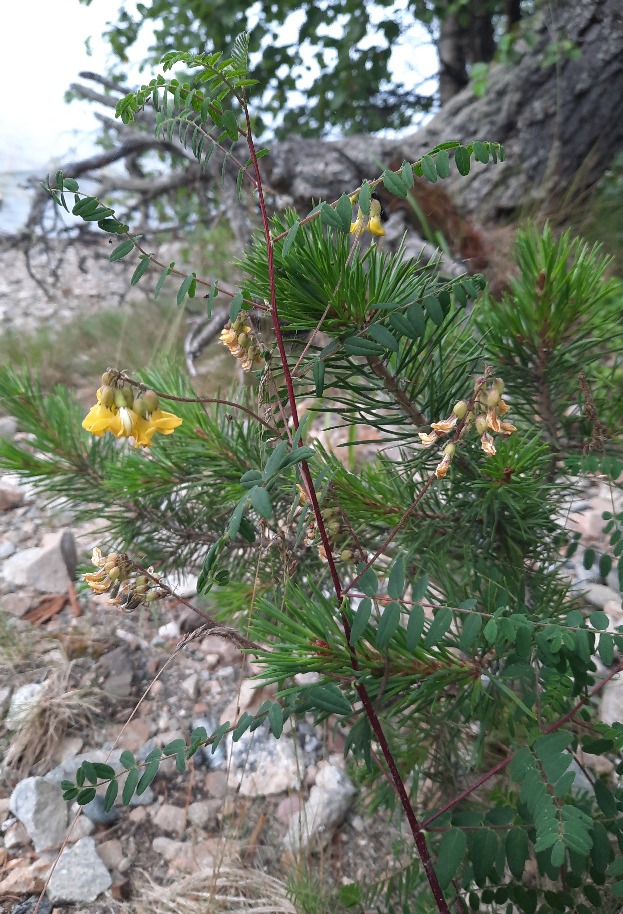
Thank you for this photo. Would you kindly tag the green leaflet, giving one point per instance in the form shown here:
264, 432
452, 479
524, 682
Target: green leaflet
122, 250
483, 854
462, 160
141, 269
394, 184
470, 631
451, 852
365, 196
235, 307
439, 626
384, 337
361, 619
415, 627
260, 499
318, 371
290, 238
396, 581
357, 345
428, 169
434, 310
130, 786
368, 582
344, 209
388, 625
275, 719
517, 851
111, 795
442, 163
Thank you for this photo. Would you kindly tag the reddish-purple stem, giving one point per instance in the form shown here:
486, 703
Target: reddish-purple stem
418, 835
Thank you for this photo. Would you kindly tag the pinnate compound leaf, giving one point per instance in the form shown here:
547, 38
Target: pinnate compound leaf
290, 238
451, 852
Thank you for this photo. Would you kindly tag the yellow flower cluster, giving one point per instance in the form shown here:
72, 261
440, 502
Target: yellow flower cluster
485, 415
241, 342
374, 222
126, 416
128, 587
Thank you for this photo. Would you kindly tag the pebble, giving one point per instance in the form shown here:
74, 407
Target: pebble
97, 814
191, 686
111, 853
10, 497
82, 829
23, 701
28, 906
262, 765
16, 836
203, 813
16, 604
170, 818
6, 549
43, 567
80, 875
40, 807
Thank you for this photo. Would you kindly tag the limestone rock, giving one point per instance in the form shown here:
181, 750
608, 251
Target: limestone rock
44, 567
111, 853
82, 829
6, 549
97, 814
41, 809
191, 686
80, 875
599, 595
19, 881
203, 812
262, 765
16, 836
170, 818
16, 604
312, 827
10, 497
118, 668
23, 701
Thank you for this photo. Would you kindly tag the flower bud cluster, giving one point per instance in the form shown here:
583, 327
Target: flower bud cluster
242, 343
127, 586
337, 536
484, 414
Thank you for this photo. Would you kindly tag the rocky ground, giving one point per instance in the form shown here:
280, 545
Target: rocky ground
69, 679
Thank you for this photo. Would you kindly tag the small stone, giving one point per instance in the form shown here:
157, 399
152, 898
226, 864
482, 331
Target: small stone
216, 783
203, 812
313, 826
16, 836
16, 604
40, 807
138, 814
135, 735
225, 650
167, 848
212, 661
10, 497
118, 669
191, 685
28, 906
80, 875
157, 689
82, 829
42, 567
97, 814
22, 703
19, 881
599, 595
122, 891
68, 748
6, 549
170, 818
8, 429
200, 708
111, 853
4, 809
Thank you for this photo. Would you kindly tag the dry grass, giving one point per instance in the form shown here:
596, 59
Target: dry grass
59, 709
232, 889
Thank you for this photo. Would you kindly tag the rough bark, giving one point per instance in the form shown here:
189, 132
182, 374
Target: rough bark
561, 126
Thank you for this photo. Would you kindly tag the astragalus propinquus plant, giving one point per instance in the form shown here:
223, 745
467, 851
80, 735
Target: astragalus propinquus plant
426, 590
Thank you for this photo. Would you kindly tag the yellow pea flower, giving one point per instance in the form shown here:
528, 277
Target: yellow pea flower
357, 227
374, 222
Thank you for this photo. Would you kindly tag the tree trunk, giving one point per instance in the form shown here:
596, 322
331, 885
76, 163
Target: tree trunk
561, 126
452, 63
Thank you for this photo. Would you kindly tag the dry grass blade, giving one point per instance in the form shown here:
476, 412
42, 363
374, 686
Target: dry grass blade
231, 889
58, 709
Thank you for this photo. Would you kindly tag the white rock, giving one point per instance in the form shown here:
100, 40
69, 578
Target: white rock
80, 875
82, 829
262, 765
5, 694
203, 812
313, 826
599, 595
41, 809
191, 685
43, 567
611, 707
6, 549
23, 701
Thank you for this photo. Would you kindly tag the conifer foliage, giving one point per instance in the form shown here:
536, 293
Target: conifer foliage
425, 588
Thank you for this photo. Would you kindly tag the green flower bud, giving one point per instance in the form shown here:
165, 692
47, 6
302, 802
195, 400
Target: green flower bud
244, 340
120, 399
113, 574
459, 409
151, 401
347, 555
128, 393
450, 450
140, 408
481, 425
499, 385
152, 596
107, 378
493, 397
108, 396
334, 528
